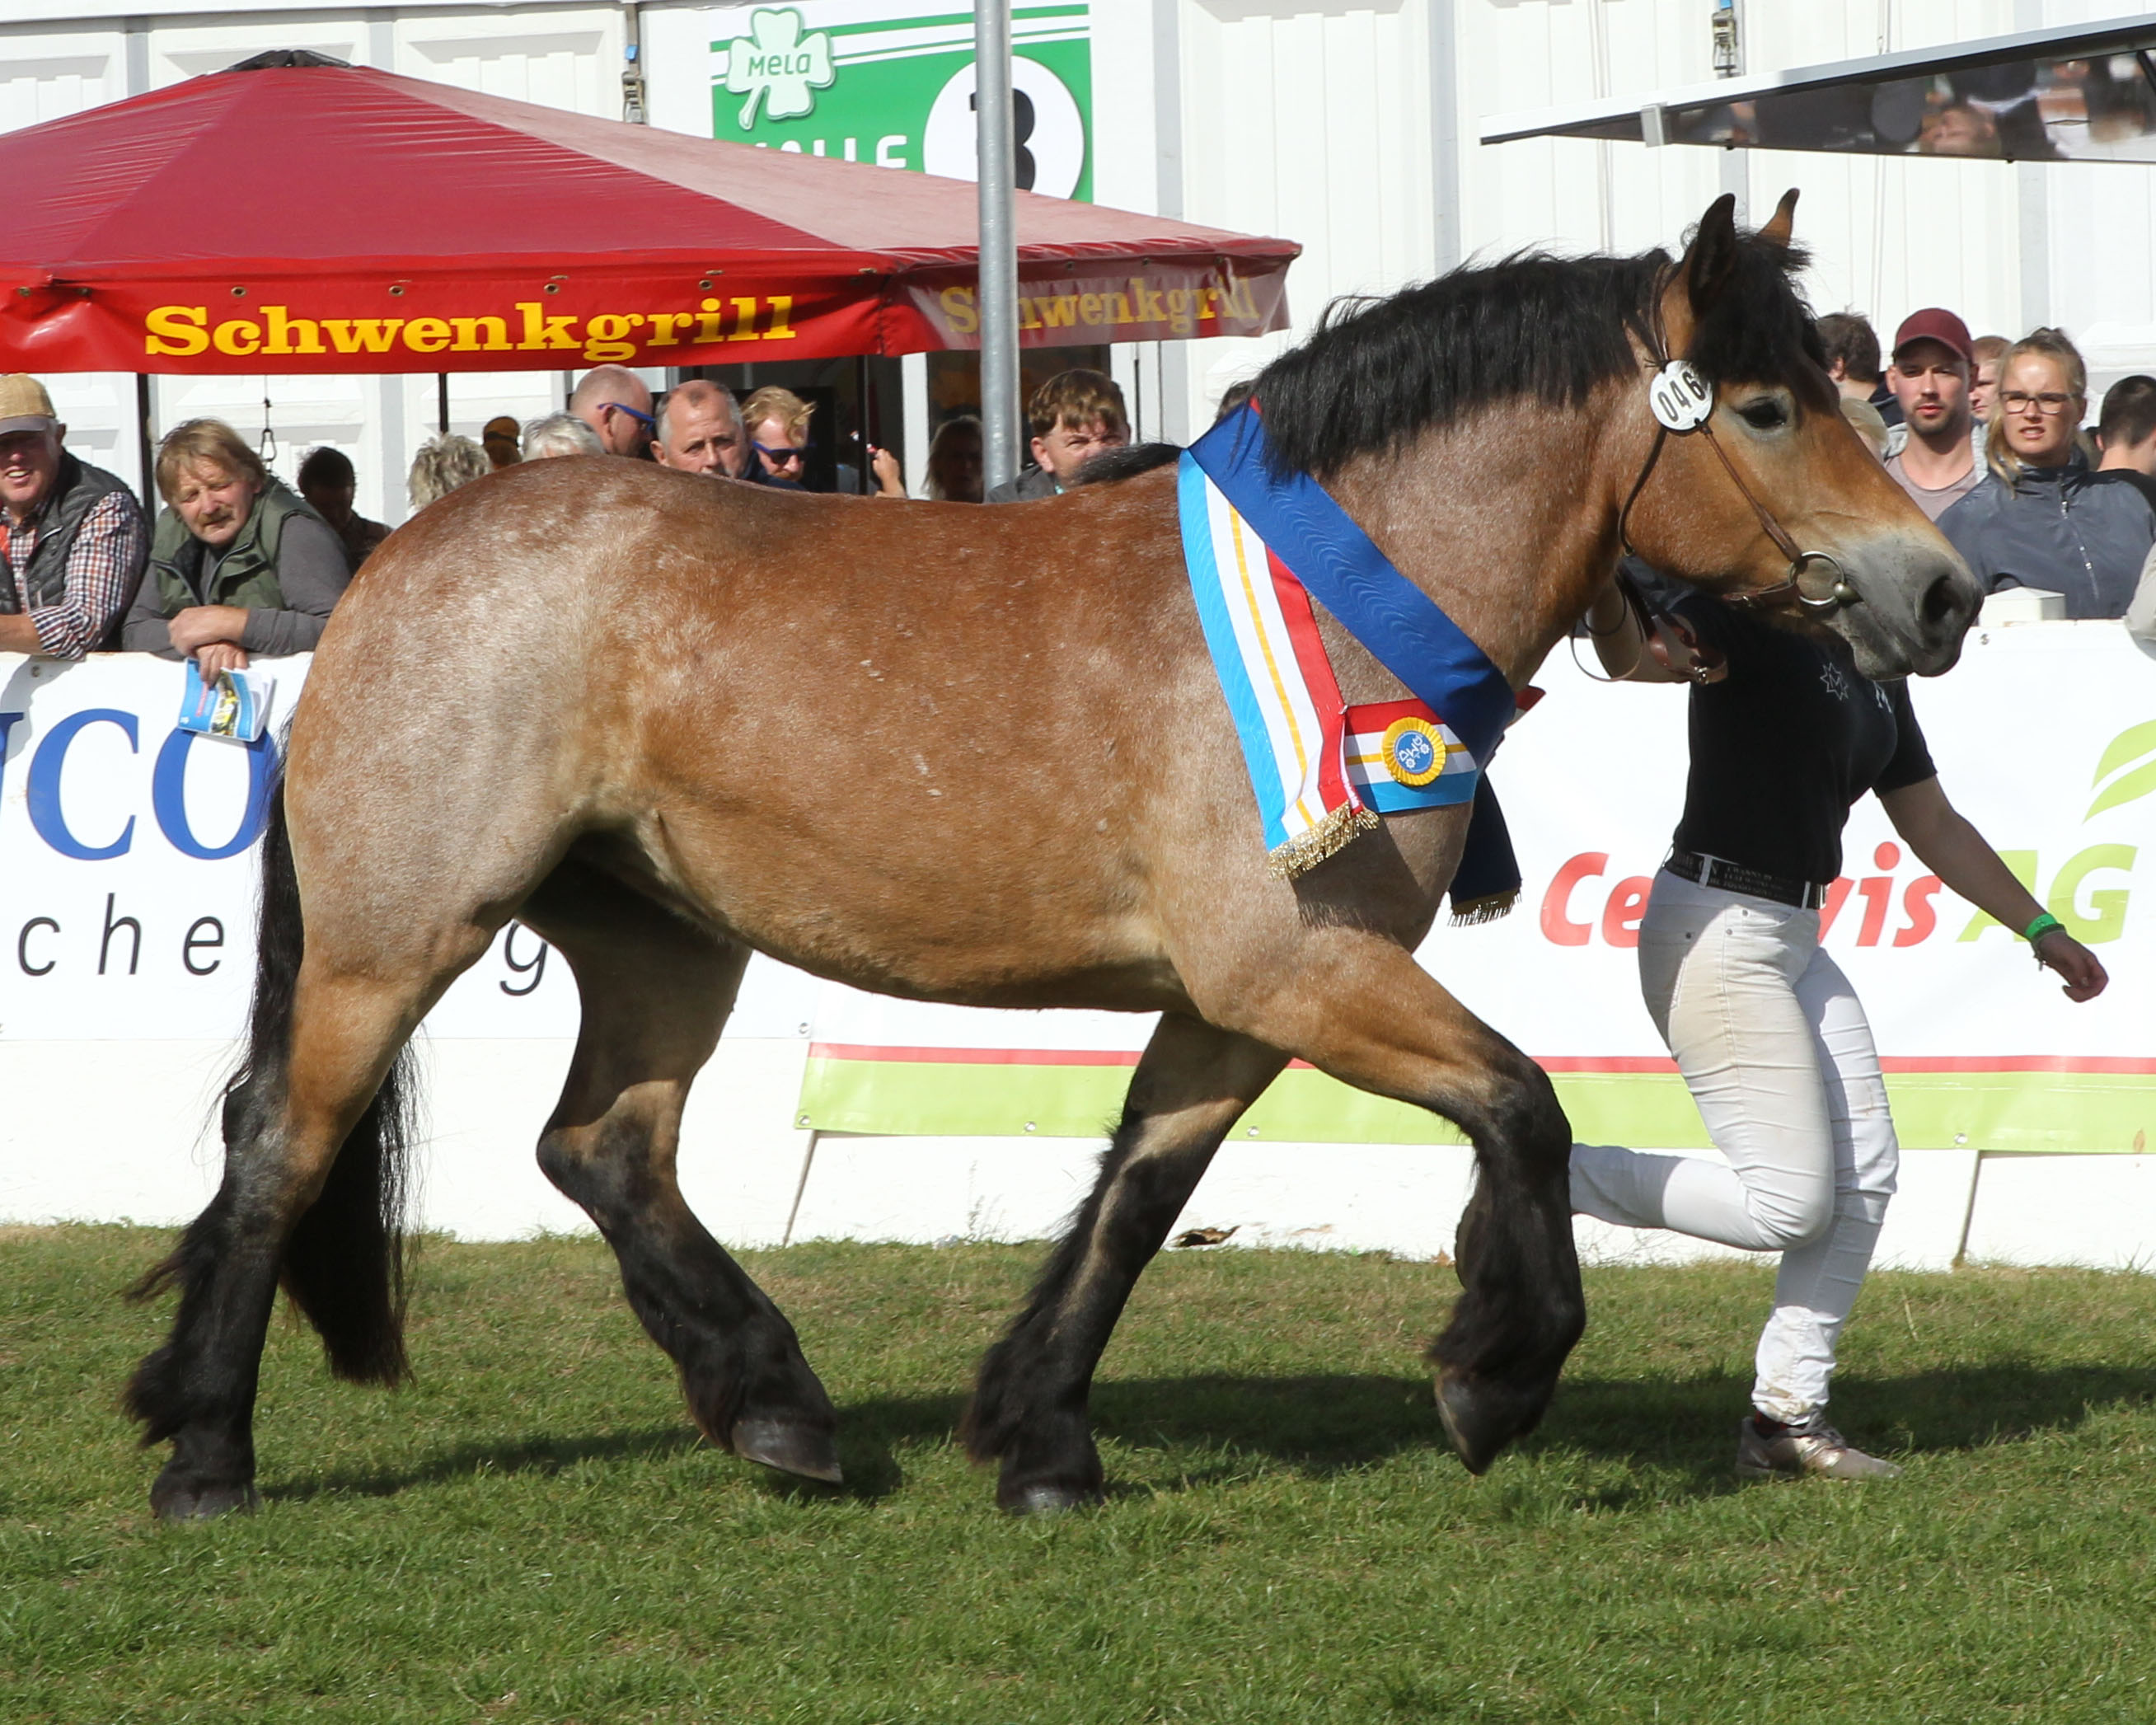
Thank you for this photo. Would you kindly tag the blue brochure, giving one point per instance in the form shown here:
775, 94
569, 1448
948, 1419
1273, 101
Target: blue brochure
233, 703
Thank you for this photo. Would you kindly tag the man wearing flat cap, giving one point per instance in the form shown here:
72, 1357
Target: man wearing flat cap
1932, 363
73, 543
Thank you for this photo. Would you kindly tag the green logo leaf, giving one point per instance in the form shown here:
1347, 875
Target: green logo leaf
777, 65
2136, 743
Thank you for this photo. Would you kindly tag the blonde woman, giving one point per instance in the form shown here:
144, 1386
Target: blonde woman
442, 464
2044, 517
240, 565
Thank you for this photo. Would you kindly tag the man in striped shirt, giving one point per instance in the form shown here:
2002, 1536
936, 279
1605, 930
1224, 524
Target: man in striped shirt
73, 543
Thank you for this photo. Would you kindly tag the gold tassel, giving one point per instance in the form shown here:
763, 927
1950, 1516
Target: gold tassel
1488, 908
1303, 854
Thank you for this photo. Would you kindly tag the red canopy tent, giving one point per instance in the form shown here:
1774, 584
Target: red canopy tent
307, 217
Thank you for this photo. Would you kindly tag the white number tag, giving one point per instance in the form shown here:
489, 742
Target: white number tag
1680, 398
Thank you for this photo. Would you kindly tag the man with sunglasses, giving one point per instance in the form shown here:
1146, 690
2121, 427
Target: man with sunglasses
613, 401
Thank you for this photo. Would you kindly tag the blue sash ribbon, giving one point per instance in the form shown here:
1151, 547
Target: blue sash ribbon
1400, 625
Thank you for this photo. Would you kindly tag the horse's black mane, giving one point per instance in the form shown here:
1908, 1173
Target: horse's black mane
1376, 371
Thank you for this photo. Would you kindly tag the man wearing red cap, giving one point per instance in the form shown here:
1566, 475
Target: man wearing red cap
1929, 376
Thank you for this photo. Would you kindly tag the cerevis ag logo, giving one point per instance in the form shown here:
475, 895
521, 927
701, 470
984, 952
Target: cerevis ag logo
1893, 904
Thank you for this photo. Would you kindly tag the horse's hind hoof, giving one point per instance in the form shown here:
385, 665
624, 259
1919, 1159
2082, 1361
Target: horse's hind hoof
1480, 1419
174, 1501
807, 1451
1047, 1500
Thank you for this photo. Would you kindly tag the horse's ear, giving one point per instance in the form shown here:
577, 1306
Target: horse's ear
1704, 273
1778, 230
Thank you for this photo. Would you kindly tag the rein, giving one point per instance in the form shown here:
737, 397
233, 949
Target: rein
1683, 403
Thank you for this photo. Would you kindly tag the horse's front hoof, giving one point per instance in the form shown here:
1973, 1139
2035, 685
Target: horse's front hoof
807, 1451
1480, 1419
179, 1500
1040, 1499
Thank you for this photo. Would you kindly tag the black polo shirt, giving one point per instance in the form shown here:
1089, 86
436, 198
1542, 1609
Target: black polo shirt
1785, 744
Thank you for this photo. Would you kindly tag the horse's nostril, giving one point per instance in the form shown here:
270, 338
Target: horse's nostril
1945, 605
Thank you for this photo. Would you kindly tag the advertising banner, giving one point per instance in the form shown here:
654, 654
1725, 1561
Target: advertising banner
865, 80
129, 847
2044, 736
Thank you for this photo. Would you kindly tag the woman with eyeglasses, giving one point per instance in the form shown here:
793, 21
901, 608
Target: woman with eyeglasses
2044, 517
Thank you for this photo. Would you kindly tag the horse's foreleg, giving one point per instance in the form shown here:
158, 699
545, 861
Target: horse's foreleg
1030, 1410
656, 993
1368, 1015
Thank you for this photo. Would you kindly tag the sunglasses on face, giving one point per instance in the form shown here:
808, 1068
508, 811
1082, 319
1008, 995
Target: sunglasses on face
644, 419
782, 456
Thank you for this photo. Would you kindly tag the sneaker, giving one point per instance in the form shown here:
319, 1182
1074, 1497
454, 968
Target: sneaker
1791, 1452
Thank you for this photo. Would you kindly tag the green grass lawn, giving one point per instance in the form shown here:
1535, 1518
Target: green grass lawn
533, 1531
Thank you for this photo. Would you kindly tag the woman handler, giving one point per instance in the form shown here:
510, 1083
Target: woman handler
1764, 1027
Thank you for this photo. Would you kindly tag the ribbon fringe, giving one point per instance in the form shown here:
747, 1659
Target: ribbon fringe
1486, 909
1331, 836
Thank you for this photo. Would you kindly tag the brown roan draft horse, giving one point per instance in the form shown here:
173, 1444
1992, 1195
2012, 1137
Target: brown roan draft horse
578, 692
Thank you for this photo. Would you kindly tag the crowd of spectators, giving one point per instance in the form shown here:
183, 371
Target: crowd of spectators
1990, 437
1986, 435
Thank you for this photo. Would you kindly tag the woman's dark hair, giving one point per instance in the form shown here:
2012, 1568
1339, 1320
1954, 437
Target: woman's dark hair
327, 466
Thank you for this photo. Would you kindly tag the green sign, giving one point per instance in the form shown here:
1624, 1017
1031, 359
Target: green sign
850, 80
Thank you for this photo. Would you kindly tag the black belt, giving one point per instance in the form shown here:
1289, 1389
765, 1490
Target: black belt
1735, 877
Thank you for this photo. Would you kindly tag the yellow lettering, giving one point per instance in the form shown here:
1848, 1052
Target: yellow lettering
283, 329
1060, 312
543, 332
468, 335
238, 335
604, 336
2021, 864
710, 316
781, 311
1089, 308
1026, 319
663, 326
1179, 310
2106, 919
177, 329
958, 311
744, 328
1122, 303
363, 335
426, 335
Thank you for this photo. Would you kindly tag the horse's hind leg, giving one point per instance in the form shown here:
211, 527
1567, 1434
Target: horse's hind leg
1364, 1011
656, 992
311, 1193
1030, 1409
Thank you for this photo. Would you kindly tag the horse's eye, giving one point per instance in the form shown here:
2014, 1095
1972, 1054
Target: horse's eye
1767, 414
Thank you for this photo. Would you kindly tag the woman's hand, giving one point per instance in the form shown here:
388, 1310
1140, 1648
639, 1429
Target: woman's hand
890, 476
2085, 978
199, 625
220, 656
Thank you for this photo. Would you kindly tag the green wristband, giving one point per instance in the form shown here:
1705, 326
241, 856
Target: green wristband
2043, 925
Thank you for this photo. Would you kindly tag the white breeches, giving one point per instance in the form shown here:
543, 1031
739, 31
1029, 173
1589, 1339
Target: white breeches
1773, 1044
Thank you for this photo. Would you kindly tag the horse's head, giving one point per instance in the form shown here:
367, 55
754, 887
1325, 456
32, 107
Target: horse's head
1773, 494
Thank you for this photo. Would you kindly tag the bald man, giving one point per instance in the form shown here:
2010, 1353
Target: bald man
700, 432
613, 401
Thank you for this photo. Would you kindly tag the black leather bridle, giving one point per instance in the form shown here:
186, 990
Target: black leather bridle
1683, 404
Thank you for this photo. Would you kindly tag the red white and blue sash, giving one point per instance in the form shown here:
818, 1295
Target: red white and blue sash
1322, 771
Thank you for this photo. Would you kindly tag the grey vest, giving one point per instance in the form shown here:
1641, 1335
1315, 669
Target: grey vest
77, 488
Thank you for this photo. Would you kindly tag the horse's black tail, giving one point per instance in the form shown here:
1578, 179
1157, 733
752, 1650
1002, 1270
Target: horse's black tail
344, 1264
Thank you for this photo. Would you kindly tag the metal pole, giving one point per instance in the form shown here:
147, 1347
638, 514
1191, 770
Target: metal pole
442, 400
999, 244
864, 480
143, 439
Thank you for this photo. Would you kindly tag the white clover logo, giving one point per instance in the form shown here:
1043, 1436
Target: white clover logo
777, 65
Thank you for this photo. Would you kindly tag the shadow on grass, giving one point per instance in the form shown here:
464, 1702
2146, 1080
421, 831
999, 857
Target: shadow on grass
1318, 1425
